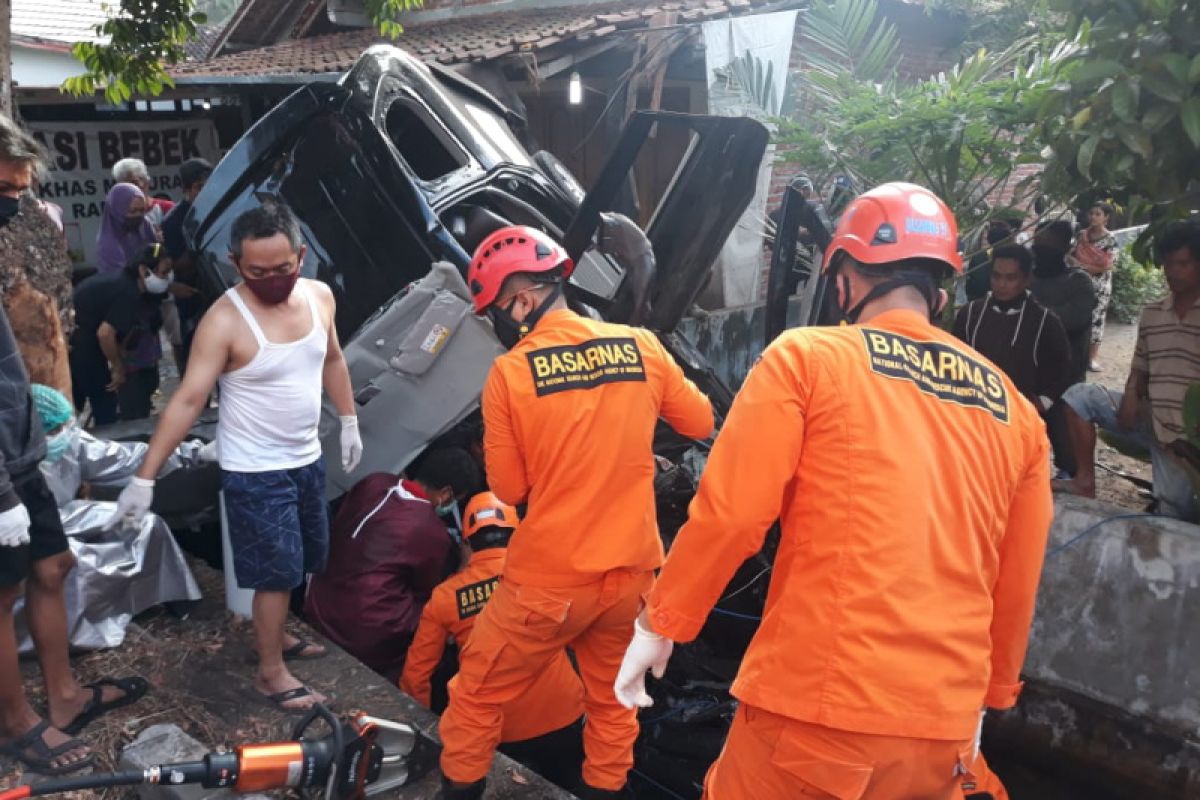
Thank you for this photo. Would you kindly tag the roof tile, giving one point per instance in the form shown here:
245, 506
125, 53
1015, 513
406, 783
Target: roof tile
468, 39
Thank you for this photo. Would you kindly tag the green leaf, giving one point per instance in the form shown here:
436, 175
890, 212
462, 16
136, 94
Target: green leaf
199, 18
1178, 65
1096, 70
1163, 85
1189, 115
1158, 116
1086, 152
1136, 139
1125, 100
1194, 70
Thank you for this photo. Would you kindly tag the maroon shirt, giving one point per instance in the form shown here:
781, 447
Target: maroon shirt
369, 598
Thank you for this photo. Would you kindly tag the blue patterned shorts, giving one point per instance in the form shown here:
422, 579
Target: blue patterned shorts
278, 525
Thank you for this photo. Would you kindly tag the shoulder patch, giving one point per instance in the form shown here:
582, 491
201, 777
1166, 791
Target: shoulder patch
474, 596
585, 365
938, 370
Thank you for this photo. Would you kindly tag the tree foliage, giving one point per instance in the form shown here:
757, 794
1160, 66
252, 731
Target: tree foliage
961, 133
141, 38
1121, 114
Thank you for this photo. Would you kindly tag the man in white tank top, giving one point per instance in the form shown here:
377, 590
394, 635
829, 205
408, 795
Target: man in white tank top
271, 343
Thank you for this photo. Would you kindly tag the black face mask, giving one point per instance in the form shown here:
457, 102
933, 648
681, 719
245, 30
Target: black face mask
508, 330
9, 206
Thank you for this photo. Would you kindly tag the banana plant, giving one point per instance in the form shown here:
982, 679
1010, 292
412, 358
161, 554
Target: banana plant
961, 133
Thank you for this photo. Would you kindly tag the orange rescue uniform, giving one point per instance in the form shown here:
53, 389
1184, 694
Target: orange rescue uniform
569, 417
553, 701
911, 480
981, 782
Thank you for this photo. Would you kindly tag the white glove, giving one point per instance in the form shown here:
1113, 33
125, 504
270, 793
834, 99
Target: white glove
647, 651
132, 505
352, 447
14, 526
979, 736
208, 452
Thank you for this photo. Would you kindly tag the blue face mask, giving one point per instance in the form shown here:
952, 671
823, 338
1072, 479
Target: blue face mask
61, 443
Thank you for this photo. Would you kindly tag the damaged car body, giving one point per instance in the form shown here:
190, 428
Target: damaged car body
396, 173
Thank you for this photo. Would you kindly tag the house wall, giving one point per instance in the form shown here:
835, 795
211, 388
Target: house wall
37, 67
579, 138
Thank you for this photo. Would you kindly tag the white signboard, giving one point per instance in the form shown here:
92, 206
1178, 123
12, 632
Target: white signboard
82, 155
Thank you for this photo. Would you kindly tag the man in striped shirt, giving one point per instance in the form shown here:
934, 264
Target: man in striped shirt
1166, 362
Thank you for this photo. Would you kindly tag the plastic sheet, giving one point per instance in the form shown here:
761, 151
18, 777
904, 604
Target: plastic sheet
119, 573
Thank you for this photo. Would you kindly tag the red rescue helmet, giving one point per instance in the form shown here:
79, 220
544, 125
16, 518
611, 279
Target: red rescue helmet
513, 249
485, 510
896, 222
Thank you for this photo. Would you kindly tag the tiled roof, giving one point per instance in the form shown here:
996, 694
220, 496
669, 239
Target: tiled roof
457, 41
197, 49
61, 22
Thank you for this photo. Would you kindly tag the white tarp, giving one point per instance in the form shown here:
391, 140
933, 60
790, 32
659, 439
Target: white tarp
82, 155
746, 60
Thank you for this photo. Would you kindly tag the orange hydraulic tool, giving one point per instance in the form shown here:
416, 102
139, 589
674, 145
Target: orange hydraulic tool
359, 757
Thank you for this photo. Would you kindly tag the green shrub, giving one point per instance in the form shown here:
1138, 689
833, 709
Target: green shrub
1134, 285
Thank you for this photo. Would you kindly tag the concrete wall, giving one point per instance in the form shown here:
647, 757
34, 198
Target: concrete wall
732, 338
1113, 668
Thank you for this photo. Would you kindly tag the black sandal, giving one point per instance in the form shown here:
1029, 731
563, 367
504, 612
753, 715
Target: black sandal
279, 698
44, 755
296, 651
134, 689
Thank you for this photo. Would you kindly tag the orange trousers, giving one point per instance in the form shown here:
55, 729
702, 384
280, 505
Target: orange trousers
519, 631
771, 757
980, 782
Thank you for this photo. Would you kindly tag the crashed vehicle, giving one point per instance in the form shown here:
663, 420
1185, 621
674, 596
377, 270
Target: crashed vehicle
396, 173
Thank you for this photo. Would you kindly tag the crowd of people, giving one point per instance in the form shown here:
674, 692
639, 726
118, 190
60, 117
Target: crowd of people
144, 288
529, 542
1042, 320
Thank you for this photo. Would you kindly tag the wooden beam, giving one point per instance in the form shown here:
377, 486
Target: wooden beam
566, 62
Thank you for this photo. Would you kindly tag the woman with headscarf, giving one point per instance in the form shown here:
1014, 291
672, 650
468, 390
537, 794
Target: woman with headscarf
124, 230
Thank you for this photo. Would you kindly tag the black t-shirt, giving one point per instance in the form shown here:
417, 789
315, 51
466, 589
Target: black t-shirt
172, 230
113, 298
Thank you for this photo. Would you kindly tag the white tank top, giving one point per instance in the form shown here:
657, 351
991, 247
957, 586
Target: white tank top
269, 408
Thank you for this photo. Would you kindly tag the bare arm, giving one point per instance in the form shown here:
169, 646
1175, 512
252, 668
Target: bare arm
1137, 386
106, 335
335, 376
210, 353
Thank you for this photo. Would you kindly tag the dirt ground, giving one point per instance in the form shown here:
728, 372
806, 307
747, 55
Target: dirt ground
1116, 353
201, 678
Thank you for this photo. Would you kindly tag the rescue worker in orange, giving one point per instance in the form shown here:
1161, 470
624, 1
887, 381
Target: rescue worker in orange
541, 727
909, 477
569, 416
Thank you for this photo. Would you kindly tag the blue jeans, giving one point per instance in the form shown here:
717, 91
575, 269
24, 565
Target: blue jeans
1172, 486
278, 525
